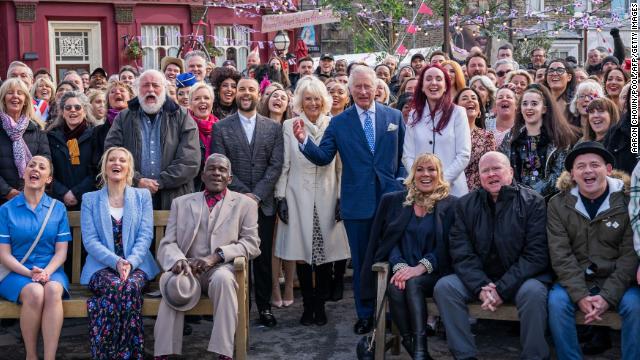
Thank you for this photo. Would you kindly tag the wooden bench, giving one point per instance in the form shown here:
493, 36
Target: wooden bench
506, 312
76, 306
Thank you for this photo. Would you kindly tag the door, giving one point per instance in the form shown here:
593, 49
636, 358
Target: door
74, 45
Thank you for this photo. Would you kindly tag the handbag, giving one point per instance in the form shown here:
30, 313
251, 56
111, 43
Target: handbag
4, 271
366, 348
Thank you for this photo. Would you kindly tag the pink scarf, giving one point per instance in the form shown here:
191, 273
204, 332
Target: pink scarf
205, 126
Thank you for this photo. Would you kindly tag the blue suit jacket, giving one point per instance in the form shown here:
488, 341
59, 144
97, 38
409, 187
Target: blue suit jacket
365, 176
137, 232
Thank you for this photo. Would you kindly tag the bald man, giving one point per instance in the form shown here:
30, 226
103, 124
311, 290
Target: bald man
498, 248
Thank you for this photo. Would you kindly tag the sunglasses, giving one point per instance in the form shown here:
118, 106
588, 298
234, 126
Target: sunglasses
76, 107
558, 70
502, 73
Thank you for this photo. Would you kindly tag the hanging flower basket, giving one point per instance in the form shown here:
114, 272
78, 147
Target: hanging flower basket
213, 50
133, 51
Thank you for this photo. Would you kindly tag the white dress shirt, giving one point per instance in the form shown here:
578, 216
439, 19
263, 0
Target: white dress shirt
249, 125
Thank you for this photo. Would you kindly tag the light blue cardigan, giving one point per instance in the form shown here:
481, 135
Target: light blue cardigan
137, 232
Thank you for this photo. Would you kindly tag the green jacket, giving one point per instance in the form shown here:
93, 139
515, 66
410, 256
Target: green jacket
575, 241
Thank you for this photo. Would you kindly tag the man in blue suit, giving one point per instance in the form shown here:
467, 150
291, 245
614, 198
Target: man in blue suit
368, 137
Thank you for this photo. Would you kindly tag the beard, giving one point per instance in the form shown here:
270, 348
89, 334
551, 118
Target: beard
252, 106
152, 108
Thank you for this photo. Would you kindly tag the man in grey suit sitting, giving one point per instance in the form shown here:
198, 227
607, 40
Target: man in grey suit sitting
205, 233
255, 146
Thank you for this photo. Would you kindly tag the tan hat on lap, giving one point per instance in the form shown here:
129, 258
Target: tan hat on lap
181, 292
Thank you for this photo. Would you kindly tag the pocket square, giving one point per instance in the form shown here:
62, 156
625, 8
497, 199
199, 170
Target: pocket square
392, 127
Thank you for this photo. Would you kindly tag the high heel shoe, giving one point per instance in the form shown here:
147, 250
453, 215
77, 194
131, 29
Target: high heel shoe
287, 303
277, 303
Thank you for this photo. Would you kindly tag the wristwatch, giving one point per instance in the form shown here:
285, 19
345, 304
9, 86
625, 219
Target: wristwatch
220, 253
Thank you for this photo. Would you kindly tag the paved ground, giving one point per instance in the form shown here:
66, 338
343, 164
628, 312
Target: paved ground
289, 339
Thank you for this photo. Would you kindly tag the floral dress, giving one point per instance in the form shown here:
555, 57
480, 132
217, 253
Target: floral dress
482, 141
115, 310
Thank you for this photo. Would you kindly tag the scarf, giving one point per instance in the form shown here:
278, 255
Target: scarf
212, 199
21, 153
111, 115
204, 130
72, 140
222, 111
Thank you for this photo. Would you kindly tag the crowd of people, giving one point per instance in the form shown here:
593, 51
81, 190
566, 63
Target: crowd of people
484, 182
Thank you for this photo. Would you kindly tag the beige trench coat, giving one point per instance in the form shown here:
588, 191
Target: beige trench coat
304, 184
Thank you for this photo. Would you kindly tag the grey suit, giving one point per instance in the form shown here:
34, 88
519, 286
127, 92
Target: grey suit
256, 168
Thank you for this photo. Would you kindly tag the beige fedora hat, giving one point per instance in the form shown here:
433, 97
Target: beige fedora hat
171, 60
181, 292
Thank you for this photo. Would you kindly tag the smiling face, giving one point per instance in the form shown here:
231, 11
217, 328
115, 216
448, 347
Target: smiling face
434, 85
557, 77
481, 90
585, 97
14, 102
470, 102
594, 57
411, 86
86, 80
495, 172
119, 97
426, 176
201, 103
600, 121
22, 73
437, 59
227, 91
61, 90
417, 64
305, 68
532, 108
521, 82
278, 102
248, 95
614, 82
505, 103
326, 65
311, 105
76, 79
198, 67
590, 172
127, 77
540, 74
382, 72
580, 75
380, 93
171, 71
476, 66
43, 91
452, 72
117, 167
98, 81
182, 95
73, 112
340, 97
216, 175
37, 175
501, 73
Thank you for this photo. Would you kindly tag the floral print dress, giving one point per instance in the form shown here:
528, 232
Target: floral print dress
482, 141
115, 310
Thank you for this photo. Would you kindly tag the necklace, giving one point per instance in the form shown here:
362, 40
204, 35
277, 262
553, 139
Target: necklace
116, 202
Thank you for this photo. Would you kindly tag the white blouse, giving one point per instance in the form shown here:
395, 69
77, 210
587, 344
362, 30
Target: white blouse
452, 145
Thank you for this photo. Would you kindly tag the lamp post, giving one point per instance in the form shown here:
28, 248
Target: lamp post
281, 42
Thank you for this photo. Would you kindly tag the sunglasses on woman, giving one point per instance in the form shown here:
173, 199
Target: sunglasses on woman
76, 107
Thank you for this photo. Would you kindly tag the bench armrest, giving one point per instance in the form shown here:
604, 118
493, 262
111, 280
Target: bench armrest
239, 263
380, 267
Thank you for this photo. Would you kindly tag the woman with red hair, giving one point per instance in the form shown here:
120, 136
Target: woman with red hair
440, 127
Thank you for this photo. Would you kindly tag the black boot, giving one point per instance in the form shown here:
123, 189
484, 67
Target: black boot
407, 343
418, 309
600, 341
323, 286
420, 351
337, 284
306, 288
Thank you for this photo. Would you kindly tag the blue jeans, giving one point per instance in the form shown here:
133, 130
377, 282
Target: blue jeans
562, 323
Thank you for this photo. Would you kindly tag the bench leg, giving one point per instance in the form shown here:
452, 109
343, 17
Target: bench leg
382, 322
242, 331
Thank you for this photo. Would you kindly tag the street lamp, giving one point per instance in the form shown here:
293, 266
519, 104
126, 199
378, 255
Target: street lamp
281, 42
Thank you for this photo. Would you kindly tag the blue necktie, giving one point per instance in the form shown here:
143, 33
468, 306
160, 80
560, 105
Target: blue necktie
368, 131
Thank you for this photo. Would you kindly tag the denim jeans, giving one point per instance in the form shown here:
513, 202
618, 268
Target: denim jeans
562, 323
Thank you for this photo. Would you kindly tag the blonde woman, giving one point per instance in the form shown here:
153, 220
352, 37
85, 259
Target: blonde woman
382, 92
42, 92
21, 136
117, 229
309, 230
411, 232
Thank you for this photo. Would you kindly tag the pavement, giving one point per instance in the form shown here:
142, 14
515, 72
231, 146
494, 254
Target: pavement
290, 340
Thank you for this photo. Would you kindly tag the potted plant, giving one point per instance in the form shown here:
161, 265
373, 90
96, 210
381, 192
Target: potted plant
133, 50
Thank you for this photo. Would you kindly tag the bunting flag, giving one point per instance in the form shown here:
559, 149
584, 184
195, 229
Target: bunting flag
401, 50
202, 23
411, 29
424, 9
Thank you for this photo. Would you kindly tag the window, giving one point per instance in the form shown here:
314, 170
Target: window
620, 7
234, 41
157, 42
536, 6
581, 7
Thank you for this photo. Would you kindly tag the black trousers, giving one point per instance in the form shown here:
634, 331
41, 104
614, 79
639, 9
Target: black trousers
409, 307
262, 264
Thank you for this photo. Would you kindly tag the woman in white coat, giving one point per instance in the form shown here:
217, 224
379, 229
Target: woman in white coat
310, 230
440, 127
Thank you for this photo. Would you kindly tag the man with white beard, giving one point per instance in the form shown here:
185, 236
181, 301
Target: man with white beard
162, 138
